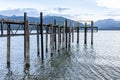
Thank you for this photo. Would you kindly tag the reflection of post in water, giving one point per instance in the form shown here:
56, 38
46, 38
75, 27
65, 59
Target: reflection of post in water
42, 70
85, 46
26, 72
77, 48
89, 54
9, 75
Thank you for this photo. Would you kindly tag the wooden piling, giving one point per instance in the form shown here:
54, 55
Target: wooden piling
41, 30
63, 36
85, 34
25, 19
91, 32
1, 28
78, 33
55, 33
60, 35
59, 38
69, 37
73, 32
38, 44
27, 43
66, 32
26, 40
46, 38
8, 44
51, 38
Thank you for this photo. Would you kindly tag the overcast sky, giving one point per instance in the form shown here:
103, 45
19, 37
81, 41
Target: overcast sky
73, 9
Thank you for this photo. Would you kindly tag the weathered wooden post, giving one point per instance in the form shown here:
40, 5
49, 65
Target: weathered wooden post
85, 34
51, 39
38, 44
69, 37
63, 36
55, 33
2, 28
41, 30
27, 42
53, 36
97, 29
73, 32
66, 32
92, 32
78, 33
59, 38
60, 35
46, 38
8, 44
25, 19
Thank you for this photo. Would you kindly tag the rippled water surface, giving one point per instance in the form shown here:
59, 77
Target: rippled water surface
81, 62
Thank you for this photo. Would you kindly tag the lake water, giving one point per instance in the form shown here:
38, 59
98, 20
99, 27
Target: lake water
82, 62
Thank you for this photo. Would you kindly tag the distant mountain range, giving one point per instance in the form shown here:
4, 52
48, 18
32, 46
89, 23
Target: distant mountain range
106, 24
46, 19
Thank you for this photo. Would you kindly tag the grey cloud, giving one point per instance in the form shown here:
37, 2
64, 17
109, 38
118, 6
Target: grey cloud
19, 12
110, 14
61, 9
88, 14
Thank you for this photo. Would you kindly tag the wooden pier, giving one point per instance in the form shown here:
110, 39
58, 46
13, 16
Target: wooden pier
62, 41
